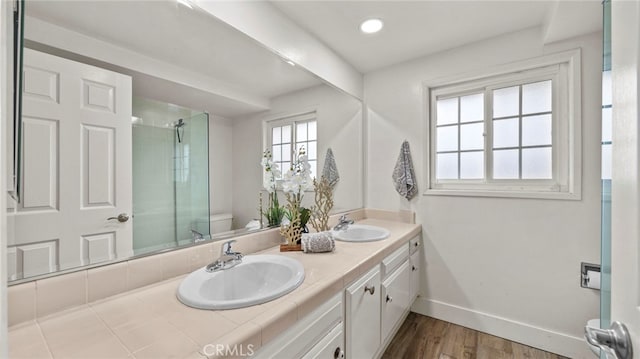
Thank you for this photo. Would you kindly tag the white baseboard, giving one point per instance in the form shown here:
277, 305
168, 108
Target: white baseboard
554, 342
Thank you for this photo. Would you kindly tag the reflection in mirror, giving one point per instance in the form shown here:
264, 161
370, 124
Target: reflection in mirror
170, 175
148, 135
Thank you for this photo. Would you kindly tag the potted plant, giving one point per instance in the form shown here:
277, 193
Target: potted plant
296, 181
270, 175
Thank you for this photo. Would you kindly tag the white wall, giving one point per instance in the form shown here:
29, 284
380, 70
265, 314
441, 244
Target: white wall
339, 127
505, 266
220, 164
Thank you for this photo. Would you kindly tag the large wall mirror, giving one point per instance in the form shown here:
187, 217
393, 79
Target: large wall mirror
143, 129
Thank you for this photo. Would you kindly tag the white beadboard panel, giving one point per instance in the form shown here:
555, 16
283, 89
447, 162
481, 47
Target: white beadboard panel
98, 173
40, 164
98, 248
41, 84
98, 96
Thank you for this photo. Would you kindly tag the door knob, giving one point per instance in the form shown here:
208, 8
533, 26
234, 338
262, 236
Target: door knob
122, 217
615, 340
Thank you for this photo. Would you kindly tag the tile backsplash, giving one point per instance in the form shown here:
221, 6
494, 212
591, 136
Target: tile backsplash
40, 298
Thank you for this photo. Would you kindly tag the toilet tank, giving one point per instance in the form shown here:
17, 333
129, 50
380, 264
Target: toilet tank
220, 223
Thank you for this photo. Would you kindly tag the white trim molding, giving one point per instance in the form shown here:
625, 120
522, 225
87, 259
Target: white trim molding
541, 338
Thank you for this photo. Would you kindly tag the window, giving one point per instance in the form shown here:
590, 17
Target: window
514, 133
286, 136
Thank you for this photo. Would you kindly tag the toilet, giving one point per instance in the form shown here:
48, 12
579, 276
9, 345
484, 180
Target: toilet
220, 223
594, 323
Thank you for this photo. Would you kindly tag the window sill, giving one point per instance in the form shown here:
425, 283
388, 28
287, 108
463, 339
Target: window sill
504, 194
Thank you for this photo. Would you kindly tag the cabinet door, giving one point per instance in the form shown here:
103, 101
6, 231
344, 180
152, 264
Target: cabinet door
395, 298
363, 316
415, 276
329, 347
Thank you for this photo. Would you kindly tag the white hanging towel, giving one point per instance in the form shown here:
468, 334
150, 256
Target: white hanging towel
330, 170
404, 177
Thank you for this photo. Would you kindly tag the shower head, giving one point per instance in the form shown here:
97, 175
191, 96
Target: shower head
179, 124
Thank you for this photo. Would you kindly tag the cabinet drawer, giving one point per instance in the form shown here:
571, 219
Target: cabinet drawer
306, 333
415, 263
394, 260
363, 313
414, 244
395, 298
330, 347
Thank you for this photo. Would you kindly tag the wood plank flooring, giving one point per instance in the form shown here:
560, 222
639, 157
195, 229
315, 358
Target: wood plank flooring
428, 338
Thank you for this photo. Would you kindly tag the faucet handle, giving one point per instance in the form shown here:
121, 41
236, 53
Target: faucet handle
343, 218
226, 247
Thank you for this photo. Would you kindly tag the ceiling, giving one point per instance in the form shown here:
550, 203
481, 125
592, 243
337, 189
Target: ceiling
419, 28
187, 38
195, 41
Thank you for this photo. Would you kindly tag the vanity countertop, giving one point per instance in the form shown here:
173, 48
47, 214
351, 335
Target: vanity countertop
151, 323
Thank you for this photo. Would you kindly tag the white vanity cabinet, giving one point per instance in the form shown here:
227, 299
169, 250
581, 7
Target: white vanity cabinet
414, 284
395, 295
363, 315
414, 261
318, 335
360, 321
331, 346
377, 303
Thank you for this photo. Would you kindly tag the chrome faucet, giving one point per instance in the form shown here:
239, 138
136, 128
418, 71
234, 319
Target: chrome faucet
197, 236
343, 223
228, 258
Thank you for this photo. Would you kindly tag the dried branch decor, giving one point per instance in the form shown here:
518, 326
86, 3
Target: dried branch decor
323, 204
292, 232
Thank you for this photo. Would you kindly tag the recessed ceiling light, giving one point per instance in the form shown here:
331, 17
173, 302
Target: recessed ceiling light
371, 26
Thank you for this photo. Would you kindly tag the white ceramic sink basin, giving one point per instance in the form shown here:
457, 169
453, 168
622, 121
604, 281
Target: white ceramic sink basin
258, 279
361, 233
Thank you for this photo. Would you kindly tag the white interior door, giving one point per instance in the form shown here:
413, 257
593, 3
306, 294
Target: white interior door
625, 231
76, 167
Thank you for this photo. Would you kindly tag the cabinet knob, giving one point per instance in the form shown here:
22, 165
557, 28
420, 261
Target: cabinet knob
389, 299
416, 244
413, 268
371, 289
338, 353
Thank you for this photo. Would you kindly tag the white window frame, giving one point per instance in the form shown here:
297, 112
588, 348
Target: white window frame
292, 120
564, 71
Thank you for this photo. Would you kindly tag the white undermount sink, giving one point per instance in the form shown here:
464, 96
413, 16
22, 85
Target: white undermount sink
361, 233
258, 279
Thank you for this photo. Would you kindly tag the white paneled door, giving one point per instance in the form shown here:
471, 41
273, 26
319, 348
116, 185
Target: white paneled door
76, 167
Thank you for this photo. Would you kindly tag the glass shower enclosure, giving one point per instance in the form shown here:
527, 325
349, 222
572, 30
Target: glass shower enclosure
170, 175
